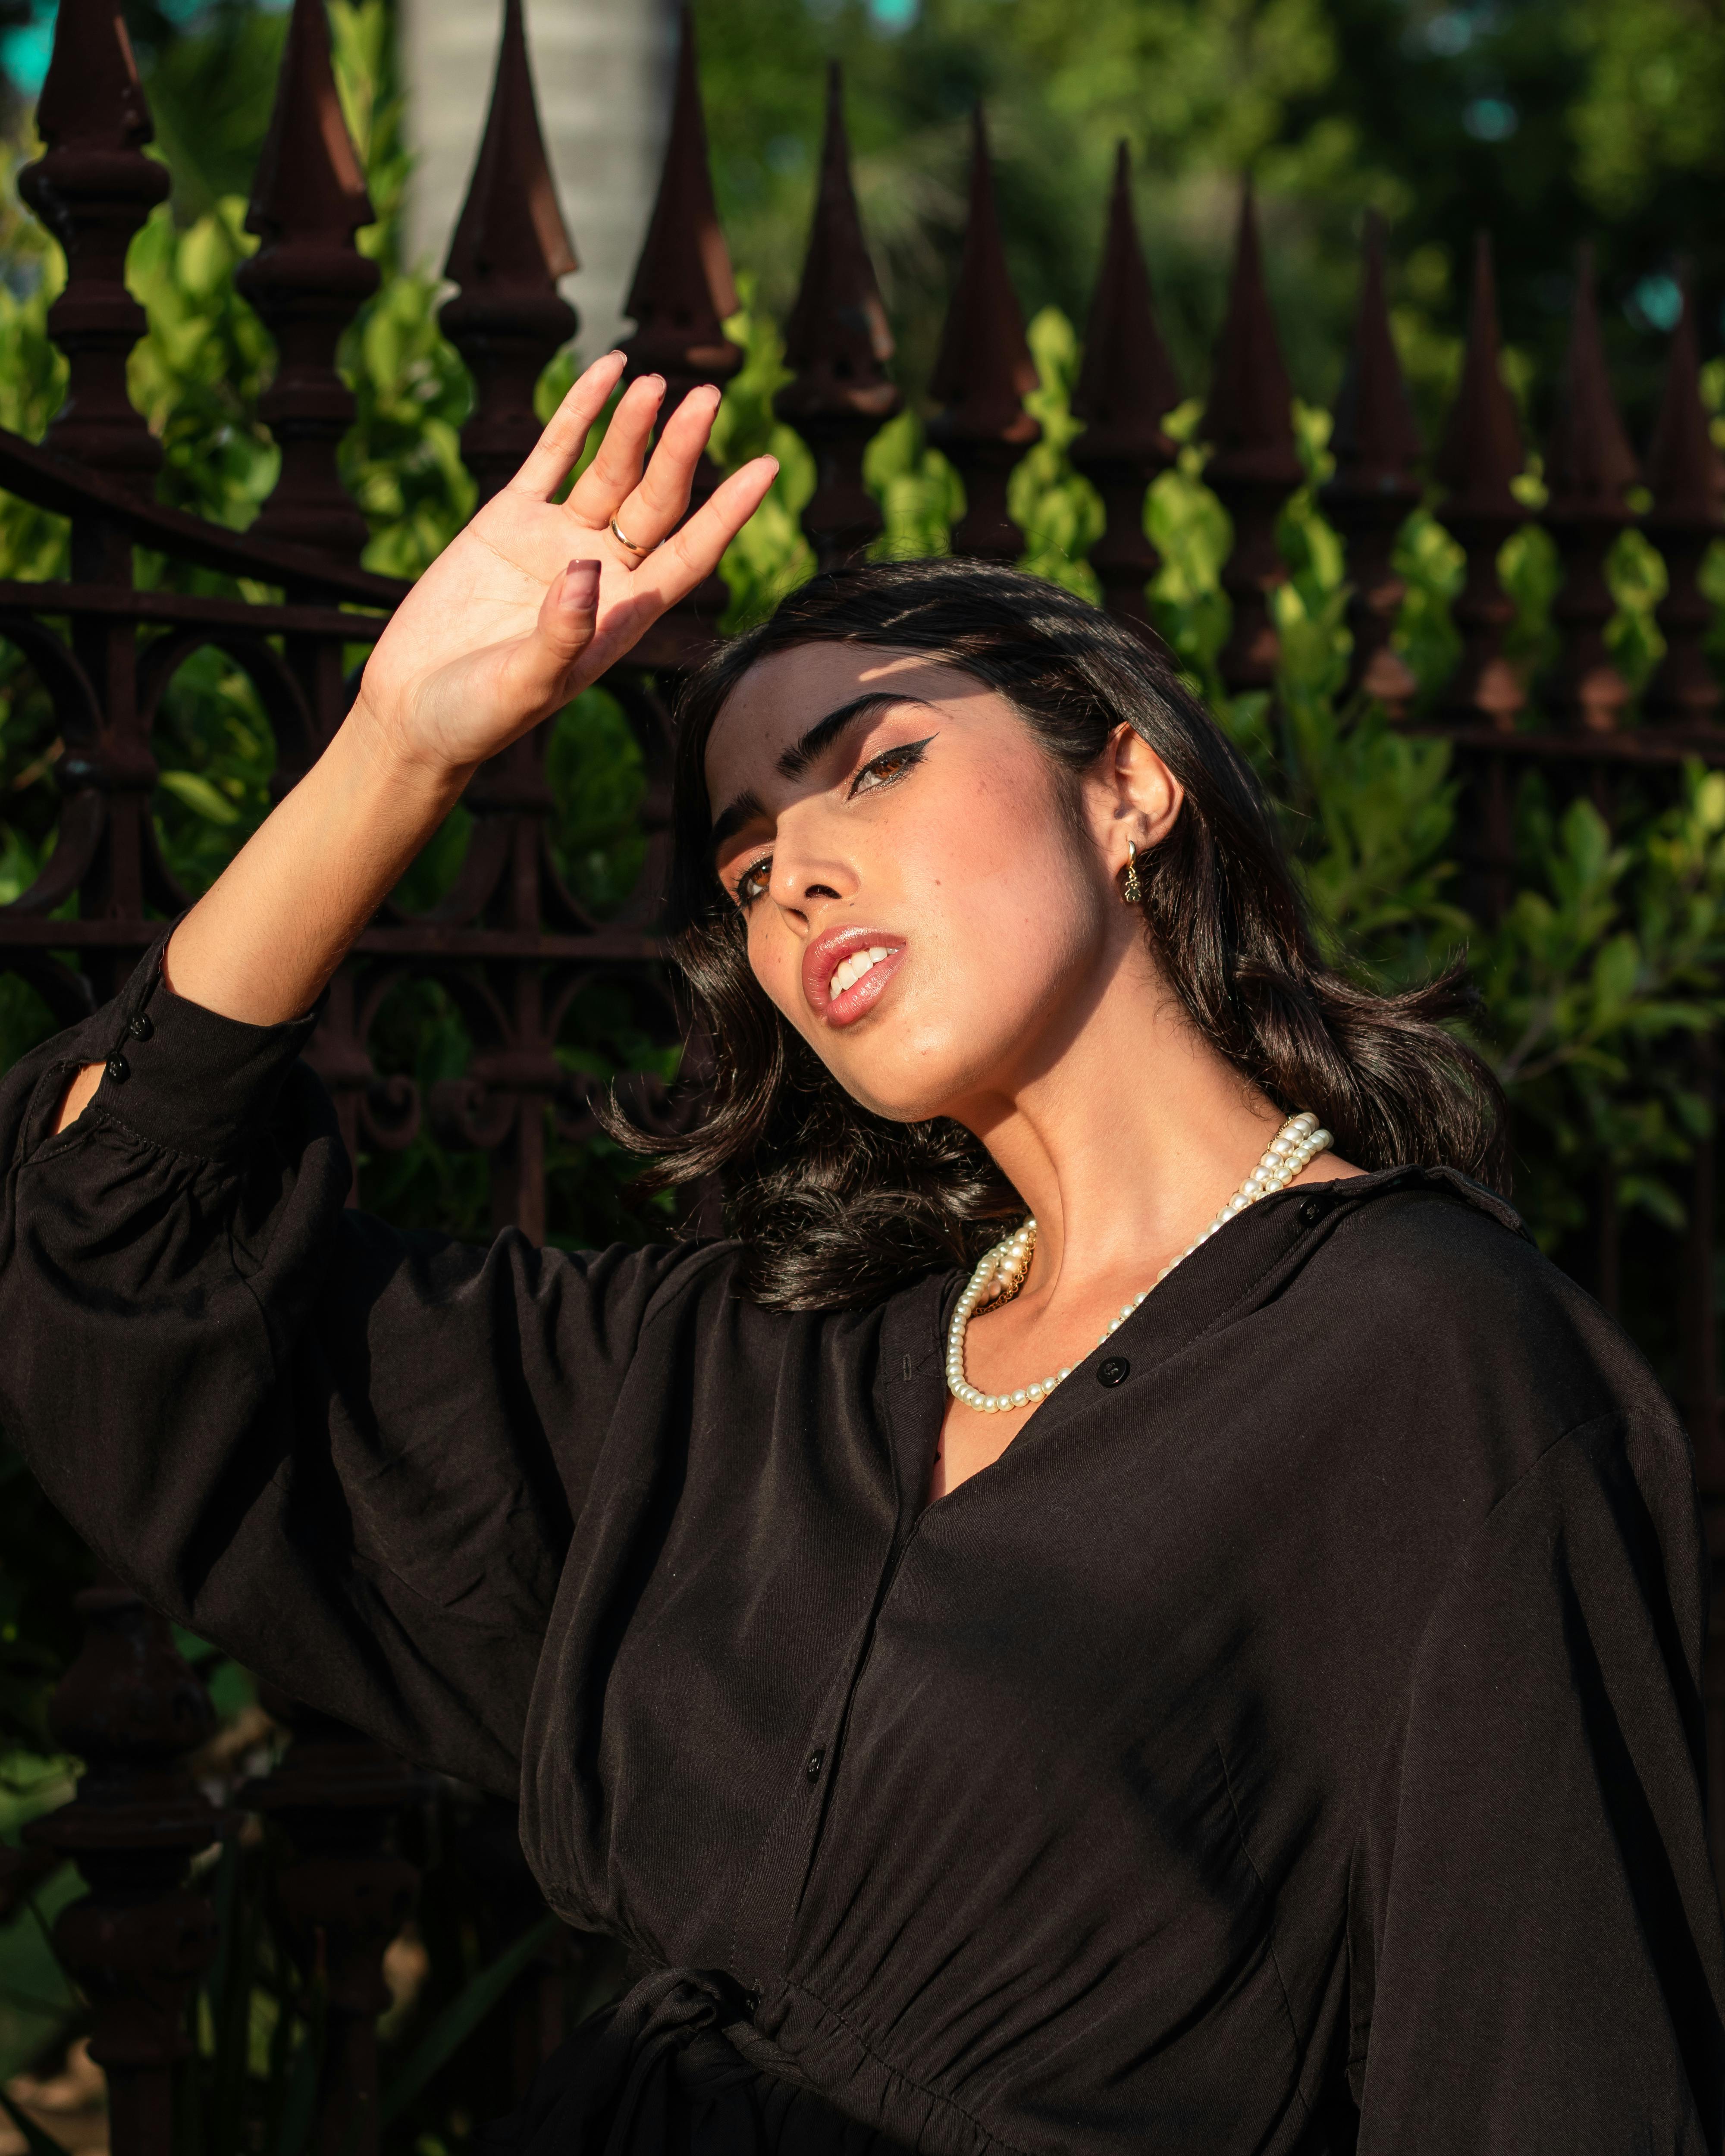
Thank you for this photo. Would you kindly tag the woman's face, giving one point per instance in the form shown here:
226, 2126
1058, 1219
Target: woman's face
921, 905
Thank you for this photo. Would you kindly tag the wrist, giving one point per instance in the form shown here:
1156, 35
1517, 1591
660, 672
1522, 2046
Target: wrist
406, 770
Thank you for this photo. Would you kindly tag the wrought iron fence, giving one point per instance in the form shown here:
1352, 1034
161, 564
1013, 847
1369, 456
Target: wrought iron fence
510, 942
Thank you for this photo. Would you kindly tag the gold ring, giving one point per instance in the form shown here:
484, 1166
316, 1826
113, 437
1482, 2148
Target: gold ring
627, 543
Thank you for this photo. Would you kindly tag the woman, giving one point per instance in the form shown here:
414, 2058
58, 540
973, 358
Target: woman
1224, 1679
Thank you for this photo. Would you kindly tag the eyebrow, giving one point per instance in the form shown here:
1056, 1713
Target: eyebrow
807, 749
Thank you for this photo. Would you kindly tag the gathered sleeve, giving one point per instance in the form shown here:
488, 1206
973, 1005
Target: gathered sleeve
352, 1458
1534, 1933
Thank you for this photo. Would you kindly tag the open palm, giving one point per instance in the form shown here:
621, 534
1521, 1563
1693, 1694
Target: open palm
536, 597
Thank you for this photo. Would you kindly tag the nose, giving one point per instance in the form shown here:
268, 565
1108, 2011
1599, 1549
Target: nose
810, 873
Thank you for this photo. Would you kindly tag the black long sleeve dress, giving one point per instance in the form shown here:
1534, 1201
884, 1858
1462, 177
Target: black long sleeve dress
1293, 1744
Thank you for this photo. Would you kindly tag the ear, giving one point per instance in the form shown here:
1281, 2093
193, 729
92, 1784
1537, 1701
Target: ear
1140, 796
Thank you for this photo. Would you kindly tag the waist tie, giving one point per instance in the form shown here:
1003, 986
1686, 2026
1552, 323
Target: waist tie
655, 2075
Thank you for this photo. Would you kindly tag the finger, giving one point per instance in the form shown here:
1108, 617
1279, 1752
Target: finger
542, 661
559, 447
689, 555
657, 504
617, 464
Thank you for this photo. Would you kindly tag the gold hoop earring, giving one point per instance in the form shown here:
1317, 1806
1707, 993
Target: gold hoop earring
1132, 891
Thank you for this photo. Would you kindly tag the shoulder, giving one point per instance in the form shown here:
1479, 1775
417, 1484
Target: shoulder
1427, 1259
1443, 1310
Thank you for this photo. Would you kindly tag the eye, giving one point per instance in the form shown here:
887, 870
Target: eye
752, 883
891, 763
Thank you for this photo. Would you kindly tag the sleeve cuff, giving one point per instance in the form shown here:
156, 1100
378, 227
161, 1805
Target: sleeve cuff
184, 1077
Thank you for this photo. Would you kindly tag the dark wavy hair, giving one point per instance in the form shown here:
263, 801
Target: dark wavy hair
834, 1206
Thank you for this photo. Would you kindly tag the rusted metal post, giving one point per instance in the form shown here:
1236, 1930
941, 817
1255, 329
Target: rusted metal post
1481, 456
308, 280
346, 1895
1687, 481
682, 295
1255, 465
532, 2013
510, 248
837, 344
1126, 389
983, 374
138, 1943
1374, 488
93, 188
1590, 468
507, 321
1479, 459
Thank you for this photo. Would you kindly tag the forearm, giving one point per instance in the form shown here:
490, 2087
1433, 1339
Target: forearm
262, 942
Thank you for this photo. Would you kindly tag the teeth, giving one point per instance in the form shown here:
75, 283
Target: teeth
847, 975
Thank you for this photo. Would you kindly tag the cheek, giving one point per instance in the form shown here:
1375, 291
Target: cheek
1001, 898
776, 960
1006, 926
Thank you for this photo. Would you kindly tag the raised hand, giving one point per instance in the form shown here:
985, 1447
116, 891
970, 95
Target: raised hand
533, 600
536, 597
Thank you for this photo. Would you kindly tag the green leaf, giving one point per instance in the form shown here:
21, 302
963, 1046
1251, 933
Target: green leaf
1615, 971
196, 791
300, 2105
461, 2017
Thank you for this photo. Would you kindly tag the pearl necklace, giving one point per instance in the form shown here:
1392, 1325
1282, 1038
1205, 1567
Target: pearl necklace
1002, 1271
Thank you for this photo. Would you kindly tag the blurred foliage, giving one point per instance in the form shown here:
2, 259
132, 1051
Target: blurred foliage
1545, 125
1595, 984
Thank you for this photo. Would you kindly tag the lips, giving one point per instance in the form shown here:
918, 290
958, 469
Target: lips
844, 948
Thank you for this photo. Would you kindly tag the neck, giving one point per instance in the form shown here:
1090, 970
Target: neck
1125, 1138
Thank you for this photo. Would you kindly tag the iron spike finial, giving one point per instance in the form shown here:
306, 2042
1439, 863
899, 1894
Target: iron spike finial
1687, 479
837, 345
1376, 440
1478, 461
307, 281
1127, 387
308, 180
1374, 488
1684, 469
1481, 453
683, 292
1590, 468
1589, 461
91, 96
510, 245
1255, 463
93, 188
984, 373
511, 229
681, 297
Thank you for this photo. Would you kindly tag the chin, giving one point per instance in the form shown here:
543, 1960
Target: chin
922, 1073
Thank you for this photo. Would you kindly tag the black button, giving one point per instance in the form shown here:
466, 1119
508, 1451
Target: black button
1114, 1372
1313, 1211
118, 1069
815, 1762
141, 1027
752, 2000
